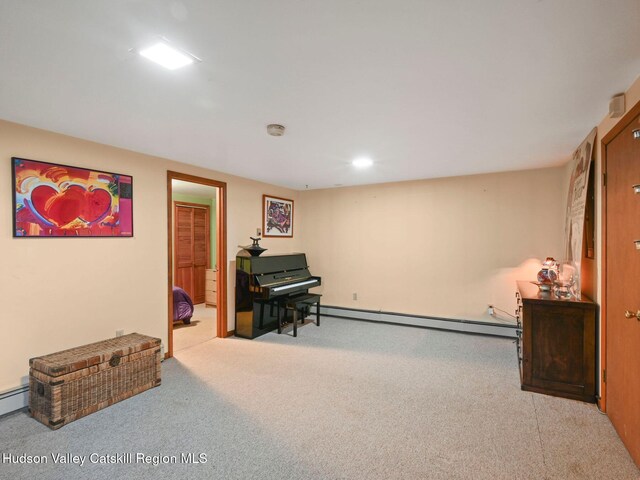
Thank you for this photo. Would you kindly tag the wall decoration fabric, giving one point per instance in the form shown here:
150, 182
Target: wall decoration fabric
277, 217
576, 204
52, 200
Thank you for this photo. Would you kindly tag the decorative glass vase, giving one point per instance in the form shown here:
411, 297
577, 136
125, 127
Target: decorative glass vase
563, 285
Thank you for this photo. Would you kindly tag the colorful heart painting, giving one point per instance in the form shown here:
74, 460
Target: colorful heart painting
52, 200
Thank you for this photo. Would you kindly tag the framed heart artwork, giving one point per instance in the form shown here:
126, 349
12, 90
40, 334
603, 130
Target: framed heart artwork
52, 200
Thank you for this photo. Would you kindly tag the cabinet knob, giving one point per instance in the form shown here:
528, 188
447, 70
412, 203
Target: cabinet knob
630, 314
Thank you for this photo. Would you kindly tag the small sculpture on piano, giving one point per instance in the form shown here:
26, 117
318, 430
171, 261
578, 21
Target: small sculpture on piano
254, 249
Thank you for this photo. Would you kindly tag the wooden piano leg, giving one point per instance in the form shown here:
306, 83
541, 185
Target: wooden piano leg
318, 314
295, 322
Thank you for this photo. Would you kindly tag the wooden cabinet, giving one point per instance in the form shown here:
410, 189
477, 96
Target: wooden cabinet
557, 345
210, 288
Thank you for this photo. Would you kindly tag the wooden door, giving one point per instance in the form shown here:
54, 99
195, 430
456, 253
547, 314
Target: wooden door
191, 233
184, 248
623, 286
200, 252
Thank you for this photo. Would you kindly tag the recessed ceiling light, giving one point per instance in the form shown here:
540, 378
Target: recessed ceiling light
362, 162
167, 56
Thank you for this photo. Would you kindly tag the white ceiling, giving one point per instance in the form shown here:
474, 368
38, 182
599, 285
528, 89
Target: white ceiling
426, 88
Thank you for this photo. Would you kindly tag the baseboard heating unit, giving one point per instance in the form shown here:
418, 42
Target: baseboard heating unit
436, 323
14, 399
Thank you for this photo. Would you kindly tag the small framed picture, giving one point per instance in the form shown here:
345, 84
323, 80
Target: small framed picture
277, 217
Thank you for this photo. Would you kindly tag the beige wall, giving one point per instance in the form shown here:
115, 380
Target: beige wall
444, 247
59, 293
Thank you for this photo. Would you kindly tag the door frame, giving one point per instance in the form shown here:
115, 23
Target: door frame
623, 123
221, 253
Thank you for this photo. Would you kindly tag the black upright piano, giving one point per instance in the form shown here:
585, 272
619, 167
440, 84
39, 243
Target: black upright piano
264, 286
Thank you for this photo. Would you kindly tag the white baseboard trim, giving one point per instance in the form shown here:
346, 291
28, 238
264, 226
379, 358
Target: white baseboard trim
437, 323
14, 399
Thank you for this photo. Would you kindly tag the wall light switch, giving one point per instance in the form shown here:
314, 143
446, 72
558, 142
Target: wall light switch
258, 231
355, 296
119, 333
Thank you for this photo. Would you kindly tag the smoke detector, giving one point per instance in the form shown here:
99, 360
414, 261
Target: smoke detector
275, 130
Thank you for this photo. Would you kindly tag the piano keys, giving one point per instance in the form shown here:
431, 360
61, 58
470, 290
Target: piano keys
264, 285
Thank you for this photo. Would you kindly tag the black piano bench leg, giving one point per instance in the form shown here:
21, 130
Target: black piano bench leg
279, 320
295, 322
318, 314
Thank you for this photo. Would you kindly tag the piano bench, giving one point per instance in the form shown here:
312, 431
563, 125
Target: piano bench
299, 304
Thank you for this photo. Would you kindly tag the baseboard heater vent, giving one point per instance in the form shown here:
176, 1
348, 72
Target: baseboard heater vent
14, 399
437, 323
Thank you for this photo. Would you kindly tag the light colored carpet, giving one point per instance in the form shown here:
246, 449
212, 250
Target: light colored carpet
346, 400
201, 329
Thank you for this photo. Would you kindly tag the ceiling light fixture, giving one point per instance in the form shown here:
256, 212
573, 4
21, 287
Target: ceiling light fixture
275, 130
167, 56
362, 162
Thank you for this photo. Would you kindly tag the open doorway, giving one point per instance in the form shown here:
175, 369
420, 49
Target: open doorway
197, 255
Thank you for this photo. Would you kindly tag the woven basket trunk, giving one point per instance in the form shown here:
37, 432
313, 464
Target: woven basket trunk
67, 385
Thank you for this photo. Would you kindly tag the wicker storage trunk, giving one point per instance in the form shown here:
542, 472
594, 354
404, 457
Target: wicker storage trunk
73, 383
